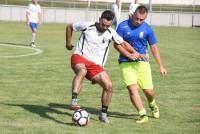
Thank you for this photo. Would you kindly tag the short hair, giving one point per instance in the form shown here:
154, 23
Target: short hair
141, 9
108, 15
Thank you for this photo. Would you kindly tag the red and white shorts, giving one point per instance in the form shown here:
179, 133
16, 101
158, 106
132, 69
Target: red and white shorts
92, 68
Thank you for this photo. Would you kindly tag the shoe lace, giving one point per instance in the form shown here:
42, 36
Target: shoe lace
154, 108
141, 117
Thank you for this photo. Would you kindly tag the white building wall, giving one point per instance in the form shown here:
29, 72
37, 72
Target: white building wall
61, 15
178, 2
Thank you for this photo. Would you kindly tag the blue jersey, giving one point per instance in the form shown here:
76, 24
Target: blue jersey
137, 37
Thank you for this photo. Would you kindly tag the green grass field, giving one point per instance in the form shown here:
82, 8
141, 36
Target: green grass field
35, 90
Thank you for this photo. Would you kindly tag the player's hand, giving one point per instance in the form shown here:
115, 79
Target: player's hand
40, 22
145, 57
69, 47
163, 71
27, 23
133, 56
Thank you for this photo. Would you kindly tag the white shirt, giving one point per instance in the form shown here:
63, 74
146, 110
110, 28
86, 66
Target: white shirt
94, 45
133, 7
33, 11
115, 10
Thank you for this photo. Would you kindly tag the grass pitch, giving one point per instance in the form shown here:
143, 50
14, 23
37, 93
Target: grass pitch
35, 90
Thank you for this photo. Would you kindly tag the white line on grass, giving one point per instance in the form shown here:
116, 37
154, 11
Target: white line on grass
37, 51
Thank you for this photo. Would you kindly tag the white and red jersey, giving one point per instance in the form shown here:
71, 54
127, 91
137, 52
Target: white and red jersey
94, 45
33, 11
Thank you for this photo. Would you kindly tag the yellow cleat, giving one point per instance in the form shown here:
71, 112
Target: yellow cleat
142, 119
155, 111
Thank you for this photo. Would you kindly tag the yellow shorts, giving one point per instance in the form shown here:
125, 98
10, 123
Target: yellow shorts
137, 73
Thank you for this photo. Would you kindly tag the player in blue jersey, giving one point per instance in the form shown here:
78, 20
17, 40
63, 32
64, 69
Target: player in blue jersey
137, 73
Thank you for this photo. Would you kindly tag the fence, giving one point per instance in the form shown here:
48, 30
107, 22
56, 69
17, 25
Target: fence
68, 15
158, 5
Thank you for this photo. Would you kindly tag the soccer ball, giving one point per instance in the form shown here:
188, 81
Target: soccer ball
80, 117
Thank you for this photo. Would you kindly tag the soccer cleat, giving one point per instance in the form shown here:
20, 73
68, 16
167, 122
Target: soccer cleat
142, 119
74, 107
103, 118
155, 111
32, 44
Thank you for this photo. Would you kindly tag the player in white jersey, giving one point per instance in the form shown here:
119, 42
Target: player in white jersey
116, 10
132, 7
90, 55
33, 18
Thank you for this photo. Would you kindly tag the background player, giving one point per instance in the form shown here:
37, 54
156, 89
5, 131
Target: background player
33, 18
132, 7
116, 8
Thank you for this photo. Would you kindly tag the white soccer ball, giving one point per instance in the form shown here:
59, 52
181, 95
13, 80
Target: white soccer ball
80, 117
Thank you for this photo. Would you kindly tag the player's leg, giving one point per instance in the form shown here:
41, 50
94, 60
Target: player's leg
129, 76
33, 27
150, 95
104, 81
80, 70
146, 84
137, 102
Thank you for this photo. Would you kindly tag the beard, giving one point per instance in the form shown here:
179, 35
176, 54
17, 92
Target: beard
101, 30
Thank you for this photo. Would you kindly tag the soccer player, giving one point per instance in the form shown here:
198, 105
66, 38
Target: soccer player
116, 10
90, 55
132, 7
33, 18
138, 72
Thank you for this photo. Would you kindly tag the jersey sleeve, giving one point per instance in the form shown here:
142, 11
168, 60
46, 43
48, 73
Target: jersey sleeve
120, 31
79, 26
116, 37
151, 38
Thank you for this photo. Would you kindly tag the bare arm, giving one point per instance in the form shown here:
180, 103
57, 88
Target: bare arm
128, 47
69, 32
40, 17
126, 50
156, 54
27, 19
131, 52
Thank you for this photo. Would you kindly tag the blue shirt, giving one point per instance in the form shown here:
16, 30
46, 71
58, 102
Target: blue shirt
137, 37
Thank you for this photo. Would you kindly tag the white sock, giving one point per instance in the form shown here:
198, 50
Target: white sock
142, 112
74, 101
104, 115
33, 37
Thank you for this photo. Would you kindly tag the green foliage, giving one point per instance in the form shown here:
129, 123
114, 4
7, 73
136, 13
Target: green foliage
35, 91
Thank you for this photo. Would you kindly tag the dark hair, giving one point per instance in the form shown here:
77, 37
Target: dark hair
108, 15
141, 9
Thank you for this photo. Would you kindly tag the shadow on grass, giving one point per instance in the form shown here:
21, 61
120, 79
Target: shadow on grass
43, 111
96, 111
15, 44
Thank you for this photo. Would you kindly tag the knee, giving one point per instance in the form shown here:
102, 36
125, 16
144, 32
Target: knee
149, 92
133, 90
34, 30
82, 72
108, 87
